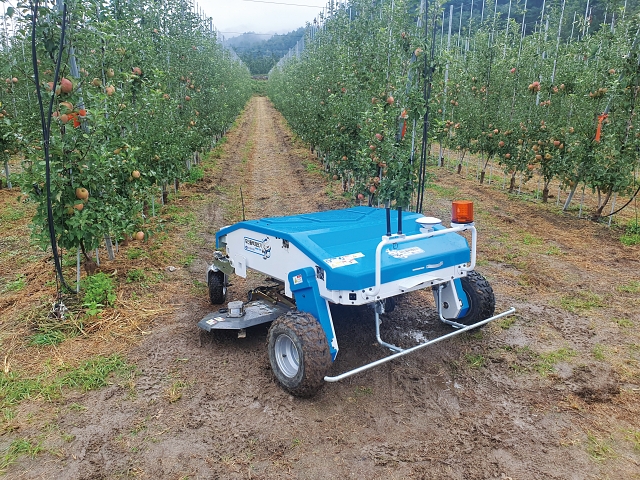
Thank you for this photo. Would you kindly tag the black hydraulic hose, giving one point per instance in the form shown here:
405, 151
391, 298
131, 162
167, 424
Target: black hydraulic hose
425, 119
46, 129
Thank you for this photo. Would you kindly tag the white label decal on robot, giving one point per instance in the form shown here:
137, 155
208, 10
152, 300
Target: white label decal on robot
343, 260
405, 252
297, 279
259, 247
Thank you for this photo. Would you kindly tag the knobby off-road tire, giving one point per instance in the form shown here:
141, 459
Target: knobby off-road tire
217, 288
482, 302
299, 353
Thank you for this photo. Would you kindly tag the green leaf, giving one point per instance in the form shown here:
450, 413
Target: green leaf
50, 46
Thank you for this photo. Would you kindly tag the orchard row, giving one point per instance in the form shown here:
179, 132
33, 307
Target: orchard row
140, 87
543, 103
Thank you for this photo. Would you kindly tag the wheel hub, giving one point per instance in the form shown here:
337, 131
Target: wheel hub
287, 356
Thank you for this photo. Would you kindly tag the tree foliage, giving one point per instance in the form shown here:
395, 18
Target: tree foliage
531, 102
143, 85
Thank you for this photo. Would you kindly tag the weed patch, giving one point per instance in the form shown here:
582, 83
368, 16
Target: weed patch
624, 322
51, 330
13, 213
598, 352
136, 275
634, 437
14, 285
179, 215
632, 287
18, 448
475, 360
598, 449
547, 361
507, 322
553, 250
195, 175
99, 291
135, 253
90, 375
542, 363
529, 239
362, 390
175, 392
631, 235
448, 193
187, 259
53, 337
311, 167
580, 302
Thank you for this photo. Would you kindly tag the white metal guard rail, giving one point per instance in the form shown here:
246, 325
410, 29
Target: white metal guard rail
417, 347
386, 240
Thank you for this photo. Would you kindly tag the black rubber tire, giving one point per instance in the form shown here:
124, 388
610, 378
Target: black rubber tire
482, 302
304, 333
217, 288
389, 304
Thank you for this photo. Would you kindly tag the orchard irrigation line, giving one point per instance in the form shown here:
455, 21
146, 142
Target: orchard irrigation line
46, 127
623, 206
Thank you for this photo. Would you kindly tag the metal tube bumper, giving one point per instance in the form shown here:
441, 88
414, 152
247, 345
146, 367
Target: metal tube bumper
417, 347
407, 238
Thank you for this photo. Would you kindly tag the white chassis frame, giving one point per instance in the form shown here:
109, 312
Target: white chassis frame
284, 259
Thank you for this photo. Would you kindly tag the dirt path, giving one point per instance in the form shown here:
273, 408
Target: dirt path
481, 406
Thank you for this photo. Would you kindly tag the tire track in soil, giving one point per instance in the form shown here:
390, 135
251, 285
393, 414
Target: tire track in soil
207, 406
277, 185
269, 169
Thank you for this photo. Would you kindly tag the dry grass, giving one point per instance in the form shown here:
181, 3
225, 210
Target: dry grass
583, 282
531, 190
32, 339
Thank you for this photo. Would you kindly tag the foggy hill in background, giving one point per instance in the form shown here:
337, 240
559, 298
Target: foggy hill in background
260, 54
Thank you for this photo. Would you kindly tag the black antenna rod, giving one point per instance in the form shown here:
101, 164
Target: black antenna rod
242, 200
427, 79
388, 209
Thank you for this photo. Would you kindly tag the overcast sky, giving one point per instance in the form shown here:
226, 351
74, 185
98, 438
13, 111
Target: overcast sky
233, 17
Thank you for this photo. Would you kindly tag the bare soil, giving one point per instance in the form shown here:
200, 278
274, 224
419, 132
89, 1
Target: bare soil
551, 393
